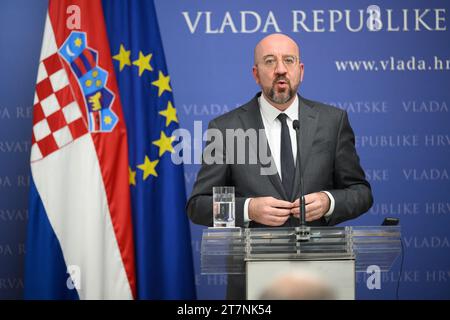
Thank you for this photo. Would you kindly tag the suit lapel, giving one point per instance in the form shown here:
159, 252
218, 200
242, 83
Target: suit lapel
252, 120
308, 119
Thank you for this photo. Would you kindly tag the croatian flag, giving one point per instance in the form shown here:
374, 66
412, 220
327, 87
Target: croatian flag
80, 240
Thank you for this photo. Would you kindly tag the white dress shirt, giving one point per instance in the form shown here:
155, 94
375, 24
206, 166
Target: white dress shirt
272, 128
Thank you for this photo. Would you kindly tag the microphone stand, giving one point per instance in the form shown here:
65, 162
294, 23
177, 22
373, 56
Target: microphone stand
303, 231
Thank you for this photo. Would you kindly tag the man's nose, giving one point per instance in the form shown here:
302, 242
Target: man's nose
280, 68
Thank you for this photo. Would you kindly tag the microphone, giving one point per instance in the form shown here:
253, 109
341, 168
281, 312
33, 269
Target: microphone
303, 229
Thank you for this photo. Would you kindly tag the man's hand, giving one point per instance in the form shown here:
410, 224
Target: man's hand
317, 204
269, 211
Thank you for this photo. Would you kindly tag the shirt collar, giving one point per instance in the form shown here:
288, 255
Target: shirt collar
271, 113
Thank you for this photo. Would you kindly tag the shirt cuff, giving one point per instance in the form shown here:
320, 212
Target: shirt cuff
246, 218
331, 204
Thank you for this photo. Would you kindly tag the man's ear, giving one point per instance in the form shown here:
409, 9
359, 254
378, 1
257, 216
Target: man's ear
302, 71
255, 74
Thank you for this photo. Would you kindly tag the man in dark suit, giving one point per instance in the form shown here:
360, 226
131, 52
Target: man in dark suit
334, 183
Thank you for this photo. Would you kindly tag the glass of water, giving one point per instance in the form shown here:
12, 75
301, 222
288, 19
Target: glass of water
223, 207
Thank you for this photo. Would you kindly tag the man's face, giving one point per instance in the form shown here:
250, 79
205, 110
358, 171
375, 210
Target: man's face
277, 68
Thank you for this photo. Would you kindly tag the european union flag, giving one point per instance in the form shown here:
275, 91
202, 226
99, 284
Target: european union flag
161, 228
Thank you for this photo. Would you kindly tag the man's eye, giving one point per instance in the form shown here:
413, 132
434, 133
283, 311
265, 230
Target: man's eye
289, 60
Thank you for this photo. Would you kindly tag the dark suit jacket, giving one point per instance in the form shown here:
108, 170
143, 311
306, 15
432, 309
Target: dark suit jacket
328, 157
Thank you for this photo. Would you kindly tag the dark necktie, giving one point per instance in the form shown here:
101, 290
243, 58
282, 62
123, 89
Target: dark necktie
287, 159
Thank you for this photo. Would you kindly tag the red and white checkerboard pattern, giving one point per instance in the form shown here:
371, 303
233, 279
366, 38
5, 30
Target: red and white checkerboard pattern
57, 119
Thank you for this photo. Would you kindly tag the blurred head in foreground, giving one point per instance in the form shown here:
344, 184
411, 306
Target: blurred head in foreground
298, 286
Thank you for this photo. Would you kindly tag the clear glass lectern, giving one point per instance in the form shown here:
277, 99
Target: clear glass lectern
335, 252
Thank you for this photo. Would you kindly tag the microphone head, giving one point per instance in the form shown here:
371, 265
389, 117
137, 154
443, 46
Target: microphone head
296, 124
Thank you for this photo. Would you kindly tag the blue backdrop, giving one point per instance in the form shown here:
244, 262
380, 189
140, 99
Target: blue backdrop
393, 82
